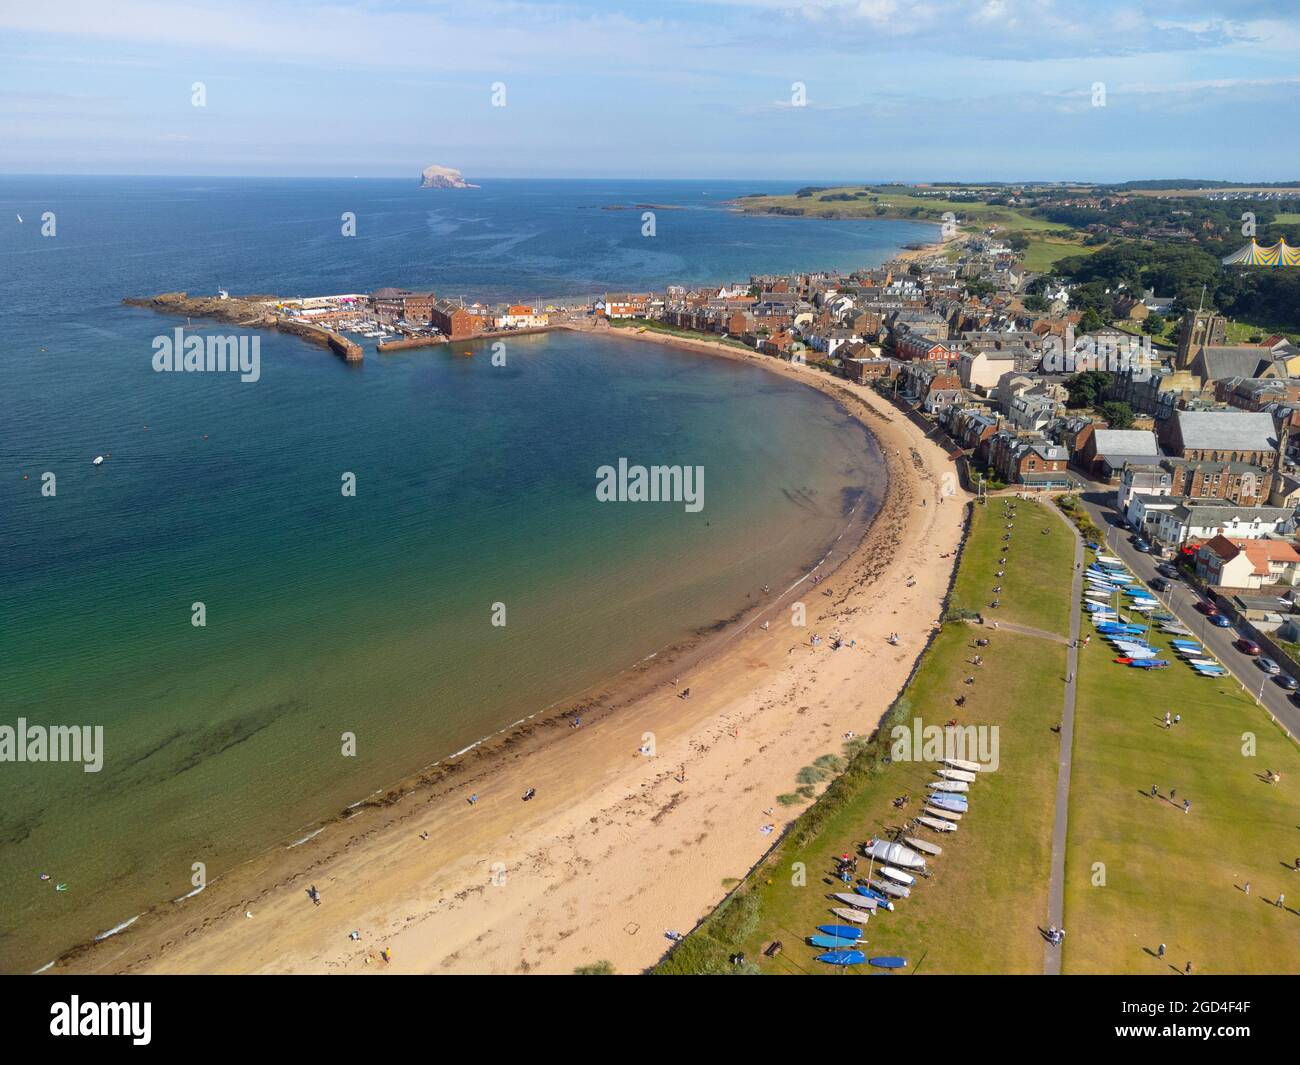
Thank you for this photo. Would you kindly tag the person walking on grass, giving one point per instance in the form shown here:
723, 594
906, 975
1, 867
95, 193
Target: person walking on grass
1188, 970
1187, 805
1281, 901
1247, 887
1160, 951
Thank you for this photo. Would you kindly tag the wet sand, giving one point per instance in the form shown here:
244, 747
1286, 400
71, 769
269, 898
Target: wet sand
616, 846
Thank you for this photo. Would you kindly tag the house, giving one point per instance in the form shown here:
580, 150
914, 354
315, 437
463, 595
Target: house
518, 316
863, 370
1105, 451
944, 391
1031, 411
982, 370
624, 305
1194, 521
1228, 562
1029, 459
918, 347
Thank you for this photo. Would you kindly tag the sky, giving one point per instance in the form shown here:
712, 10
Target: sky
853, 90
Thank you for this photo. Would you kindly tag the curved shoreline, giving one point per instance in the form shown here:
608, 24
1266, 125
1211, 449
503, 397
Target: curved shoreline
480, 758
188, 942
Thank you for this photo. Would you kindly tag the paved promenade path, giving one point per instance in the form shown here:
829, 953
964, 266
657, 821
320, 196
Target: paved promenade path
1056, 889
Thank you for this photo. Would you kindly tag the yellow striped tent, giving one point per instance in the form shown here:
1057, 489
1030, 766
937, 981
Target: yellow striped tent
1279, 254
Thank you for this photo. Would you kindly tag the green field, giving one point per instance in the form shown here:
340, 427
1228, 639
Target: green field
1171, 877
898, 205
1043, 252
980, 910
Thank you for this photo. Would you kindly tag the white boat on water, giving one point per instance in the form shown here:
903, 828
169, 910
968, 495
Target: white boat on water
861, 902
98, 460
924, 846
963, 775
851, 914
961, 763
897, 875
936, 824
947, 815
894, 853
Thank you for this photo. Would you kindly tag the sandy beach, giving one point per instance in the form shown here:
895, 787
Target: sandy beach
617, 846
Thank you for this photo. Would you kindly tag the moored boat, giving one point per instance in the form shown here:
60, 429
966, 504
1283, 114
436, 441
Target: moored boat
894, 853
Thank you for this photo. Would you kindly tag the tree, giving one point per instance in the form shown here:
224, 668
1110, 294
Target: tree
1087, 387
1018, 241
1118, 414
1154, 324
1091, 321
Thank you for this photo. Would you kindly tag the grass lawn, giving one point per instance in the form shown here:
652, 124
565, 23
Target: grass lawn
1286, 218
979, 911
1043, 252
1036, 582
1171, 877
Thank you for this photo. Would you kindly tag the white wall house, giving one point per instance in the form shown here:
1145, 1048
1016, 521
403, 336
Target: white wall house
1188, 522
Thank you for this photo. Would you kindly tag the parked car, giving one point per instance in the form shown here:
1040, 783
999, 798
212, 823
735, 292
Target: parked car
1167, 570
1206, 607
1245, 646
1139, 543
1219, 621
1267, 665
1286, 682
1159, 584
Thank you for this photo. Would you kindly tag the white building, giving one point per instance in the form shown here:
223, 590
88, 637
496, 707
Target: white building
1193, 521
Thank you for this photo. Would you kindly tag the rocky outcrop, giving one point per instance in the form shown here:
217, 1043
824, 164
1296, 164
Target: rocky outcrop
443, 177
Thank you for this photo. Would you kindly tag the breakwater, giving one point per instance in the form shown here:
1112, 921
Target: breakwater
248, 312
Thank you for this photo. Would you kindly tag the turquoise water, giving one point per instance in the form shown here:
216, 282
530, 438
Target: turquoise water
329, 614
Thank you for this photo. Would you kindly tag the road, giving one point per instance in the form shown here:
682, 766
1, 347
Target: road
1181, 598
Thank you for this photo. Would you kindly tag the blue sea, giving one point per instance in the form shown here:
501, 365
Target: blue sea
372, 614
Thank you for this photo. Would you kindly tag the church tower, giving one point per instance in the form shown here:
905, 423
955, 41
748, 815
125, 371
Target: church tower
1200, 329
